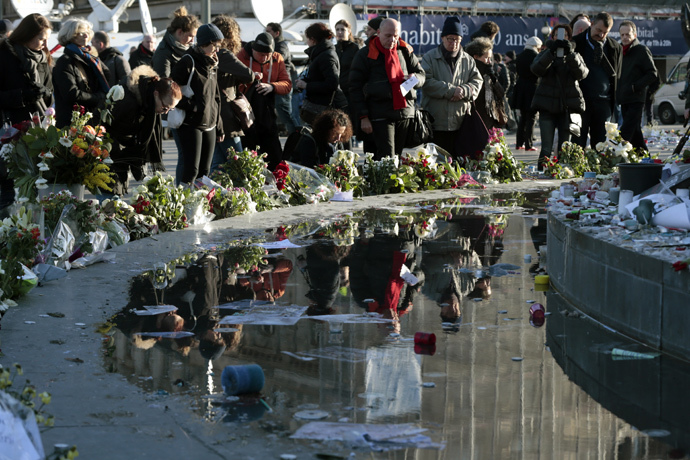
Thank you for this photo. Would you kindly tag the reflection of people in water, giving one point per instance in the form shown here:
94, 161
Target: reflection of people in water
375, 265
325, 273
269, 282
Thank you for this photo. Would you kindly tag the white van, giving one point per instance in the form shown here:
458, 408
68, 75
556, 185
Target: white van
668, 107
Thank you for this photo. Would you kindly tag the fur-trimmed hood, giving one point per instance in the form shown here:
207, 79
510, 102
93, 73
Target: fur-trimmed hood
134, 83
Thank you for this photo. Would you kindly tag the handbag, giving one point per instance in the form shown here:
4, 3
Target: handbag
176, 116
310, 110
473, 135
243, 111
575, 124
420, 130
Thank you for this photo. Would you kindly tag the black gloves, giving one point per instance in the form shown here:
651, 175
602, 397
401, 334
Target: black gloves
35, 93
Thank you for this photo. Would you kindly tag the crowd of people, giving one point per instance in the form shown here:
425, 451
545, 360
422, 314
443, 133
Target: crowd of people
574, 82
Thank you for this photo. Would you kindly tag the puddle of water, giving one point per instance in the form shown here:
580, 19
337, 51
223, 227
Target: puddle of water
492, 386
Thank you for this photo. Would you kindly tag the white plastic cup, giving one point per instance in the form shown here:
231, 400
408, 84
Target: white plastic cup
625, 198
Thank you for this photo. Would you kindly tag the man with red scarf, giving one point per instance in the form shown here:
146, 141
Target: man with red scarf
637, 73
376, 74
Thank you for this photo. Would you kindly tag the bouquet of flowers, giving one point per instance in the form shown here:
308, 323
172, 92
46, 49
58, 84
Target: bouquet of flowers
301, 185
248, 170
342, 170
573, 156
37, 153
497, 161
615, 150
20, 244
554, 168
158, 197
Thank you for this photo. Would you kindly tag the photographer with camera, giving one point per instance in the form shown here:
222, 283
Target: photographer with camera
637, 73
558, 97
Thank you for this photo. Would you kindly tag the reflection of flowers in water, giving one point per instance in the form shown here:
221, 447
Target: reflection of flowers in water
426, 228
496, 224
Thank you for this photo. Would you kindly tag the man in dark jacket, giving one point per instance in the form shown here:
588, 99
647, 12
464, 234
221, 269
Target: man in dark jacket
111, 57
376, 74
143, 55
603, 57
525, 87
284, 101
637, 73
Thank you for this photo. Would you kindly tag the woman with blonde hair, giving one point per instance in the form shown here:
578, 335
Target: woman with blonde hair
79, 77
231, 73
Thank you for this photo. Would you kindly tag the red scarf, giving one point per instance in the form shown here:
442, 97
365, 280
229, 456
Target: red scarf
394, 72
626, 48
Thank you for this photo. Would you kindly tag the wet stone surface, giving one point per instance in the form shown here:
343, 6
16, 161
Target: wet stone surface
329, 311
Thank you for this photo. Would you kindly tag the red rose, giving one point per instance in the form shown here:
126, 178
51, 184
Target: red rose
680, 265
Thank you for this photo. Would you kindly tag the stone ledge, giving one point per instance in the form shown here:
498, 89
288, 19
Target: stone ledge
636, 294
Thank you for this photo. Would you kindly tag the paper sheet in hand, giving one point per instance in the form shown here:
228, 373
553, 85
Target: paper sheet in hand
284, 244
408, 84
407, 275
150, 310
274, 315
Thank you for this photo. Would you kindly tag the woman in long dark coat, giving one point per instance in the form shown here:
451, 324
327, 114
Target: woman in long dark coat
79, 78
26, 84
322, 79
490, 100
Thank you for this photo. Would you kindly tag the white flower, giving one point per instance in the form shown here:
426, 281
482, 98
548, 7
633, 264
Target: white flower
43, 167
22, 199
611, 130
116, 93
41, 183
6, 150
45, 155
601, 146
65, 142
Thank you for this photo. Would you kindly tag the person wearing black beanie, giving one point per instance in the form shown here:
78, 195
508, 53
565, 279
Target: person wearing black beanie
452, 83
203, 125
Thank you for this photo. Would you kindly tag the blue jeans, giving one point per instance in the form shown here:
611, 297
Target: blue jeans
220, 155
548, 123
285, 112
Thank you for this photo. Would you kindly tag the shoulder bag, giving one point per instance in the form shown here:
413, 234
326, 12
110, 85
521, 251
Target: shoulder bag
243, 110
420, 130
176, 116
473, 135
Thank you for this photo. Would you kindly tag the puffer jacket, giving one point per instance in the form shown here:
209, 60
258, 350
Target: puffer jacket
371, 94
274, 71
231, 73
637, 73
168, 52
558, 90
116, 63
20, 81
323, 76
203, 108
440, 86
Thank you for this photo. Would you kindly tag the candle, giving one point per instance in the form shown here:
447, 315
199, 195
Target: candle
614, 194
624, 199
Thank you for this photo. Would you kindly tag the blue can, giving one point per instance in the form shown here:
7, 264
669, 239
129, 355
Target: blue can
238, 380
